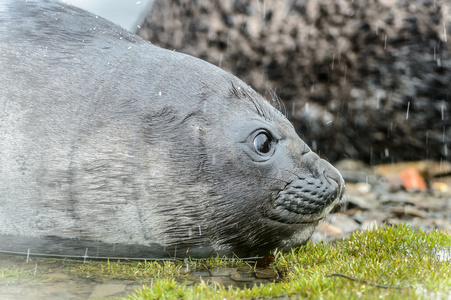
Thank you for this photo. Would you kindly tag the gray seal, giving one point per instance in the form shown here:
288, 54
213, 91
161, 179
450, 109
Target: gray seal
113, 147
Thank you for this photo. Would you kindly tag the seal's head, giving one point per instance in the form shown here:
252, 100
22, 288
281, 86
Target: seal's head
288, 188
265, 188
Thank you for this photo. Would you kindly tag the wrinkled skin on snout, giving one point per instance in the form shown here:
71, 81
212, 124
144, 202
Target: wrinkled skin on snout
112, 147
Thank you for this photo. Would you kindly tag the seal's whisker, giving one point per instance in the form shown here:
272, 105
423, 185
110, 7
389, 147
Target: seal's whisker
276, 101
293, 173
273, 178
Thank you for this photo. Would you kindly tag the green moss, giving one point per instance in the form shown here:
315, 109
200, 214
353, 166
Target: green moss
395, 262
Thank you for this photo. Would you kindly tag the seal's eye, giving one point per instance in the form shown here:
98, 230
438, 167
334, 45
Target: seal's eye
263, 143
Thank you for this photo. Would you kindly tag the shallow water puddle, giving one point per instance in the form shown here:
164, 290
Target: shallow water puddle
41, 278
48, 278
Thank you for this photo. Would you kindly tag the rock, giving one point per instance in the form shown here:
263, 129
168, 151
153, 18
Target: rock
441, 187
359, 195
245, 276
266, 274
337, 225
397, 198
107, 290
428, 169
329, 230
220, 271
222, 281
412, 180
408, 211
201, 273
442, 224
344, 222
354, 171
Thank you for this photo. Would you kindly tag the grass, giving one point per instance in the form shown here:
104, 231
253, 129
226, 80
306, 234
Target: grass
390, 262
11, 276
146, 270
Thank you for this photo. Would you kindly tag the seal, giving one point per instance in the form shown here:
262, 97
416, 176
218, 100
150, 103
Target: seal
113, 147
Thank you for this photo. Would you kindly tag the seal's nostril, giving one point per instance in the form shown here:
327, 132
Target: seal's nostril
305, 149
332, 174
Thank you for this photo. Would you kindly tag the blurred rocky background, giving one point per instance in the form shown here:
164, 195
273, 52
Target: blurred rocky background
362, 79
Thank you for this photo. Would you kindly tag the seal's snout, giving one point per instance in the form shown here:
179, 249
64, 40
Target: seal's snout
333, 176
310, 196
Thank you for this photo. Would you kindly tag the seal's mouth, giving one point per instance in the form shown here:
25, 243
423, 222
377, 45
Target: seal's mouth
306, 200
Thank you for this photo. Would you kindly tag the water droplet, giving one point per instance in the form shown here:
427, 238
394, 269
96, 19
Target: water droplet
408, 107
444, 31
220, 60
85, 256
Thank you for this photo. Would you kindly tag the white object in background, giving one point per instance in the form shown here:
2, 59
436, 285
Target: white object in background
126, 13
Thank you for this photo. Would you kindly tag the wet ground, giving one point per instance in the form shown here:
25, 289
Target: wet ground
49, 279
44, 278
374, 195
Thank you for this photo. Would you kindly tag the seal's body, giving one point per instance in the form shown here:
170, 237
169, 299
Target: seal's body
110, 146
